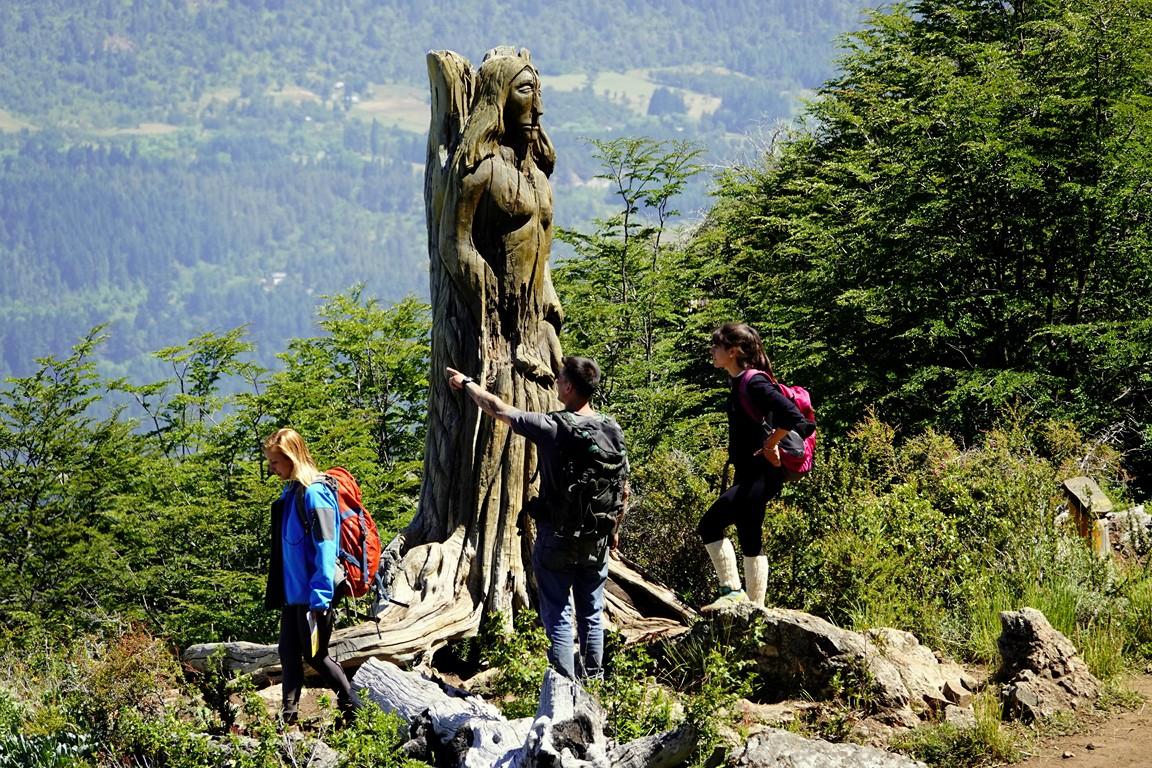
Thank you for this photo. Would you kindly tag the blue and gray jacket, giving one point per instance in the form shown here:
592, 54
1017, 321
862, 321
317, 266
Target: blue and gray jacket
302, 567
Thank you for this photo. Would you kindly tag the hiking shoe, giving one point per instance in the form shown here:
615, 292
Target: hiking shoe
728, 596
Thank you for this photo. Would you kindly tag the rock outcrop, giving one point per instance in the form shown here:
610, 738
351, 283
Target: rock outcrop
797, 653
775, 748
1041, 672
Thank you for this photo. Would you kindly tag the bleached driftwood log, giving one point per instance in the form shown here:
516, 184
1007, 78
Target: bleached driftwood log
465, 725
568, 729
637, 608
660, 750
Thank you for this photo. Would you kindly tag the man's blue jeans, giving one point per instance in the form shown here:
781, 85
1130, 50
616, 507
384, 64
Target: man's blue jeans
570, 578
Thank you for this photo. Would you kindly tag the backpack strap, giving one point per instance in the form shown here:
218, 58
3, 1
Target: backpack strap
301, 507
746, 403
746, 400
567, 431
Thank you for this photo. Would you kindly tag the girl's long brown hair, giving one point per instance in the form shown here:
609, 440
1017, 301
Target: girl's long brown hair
746, 343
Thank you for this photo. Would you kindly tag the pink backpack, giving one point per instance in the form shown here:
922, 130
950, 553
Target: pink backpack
796, 453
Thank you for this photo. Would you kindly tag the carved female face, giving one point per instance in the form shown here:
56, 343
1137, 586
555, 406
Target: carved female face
523, 107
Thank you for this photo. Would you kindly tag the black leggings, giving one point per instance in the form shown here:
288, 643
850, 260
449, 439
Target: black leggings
743, 505
295, 648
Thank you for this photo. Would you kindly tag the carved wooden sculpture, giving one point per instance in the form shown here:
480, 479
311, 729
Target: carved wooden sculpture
495, 313
495, 317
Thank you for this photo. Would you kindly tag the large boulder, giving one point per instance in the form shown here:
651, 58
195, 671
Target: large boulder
1041, 672
1130, 530
797, 653
934, 684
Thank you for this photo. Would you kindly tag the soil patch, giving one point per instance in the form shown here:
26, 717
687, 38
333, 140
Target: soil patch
1110, 740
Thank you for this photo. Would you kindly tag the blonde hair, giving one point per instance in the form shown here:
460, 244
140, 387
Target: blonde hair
289, 443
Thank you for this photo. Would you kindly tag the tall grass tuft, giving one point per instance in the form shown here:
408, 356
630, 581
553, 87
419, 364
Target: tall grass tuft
943, 745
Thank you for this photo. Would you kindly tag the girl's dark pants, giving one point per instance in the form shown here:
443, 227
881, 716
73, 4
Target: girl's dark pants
295, 648
743, 505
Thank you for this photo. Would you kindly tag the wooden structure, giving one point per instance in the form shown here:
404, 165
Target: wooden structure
1088, 504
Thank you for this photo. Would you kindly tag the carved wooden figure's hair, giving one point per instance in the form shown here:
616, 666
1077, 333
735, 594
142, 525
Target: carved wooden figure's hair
484, 130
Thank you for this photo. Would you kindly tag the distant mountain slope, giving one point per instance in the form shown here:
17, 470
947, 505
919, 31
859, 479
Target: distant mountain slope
171, 167
148, 57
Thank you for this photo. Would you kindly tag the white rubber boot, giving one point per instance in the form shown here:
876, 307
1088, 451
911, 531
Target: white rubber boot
724, 561
756, 578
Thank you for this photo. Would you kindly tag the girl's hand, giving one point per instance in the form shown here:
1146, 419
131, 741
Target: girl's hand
771, 451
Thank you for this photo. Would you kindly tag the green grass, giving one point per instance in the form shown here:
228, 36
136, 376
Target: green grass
942, 745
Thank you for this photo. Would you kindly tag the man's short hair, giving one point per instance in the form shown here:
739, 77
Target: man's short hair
583, 374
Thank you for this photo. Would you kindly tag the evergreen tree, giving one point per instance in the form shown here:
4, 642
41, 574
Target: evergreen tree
624, 294
965, 223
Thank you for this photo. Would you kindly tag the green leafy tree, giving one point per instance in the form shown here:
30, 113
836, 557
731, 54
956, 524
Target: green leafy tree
625, 294
358, 394
165, 520
965, 223
183, 410
59, 467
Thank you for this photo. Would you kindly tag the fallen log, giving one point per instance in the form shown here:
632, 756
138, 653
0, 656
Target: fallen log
449, 721
456, 728
660, 750
569, 727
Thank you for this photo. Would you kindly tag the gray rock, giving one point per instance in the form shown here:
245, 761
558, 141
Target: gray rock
931, 683
781, 749
799, 654
1130, 530
961, 717
1041, 670
316, 753
957, 693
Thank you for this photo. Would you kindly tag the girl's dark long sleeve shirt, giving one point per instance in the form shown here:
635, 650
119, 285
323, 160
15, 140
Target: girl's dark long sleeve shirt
746, 435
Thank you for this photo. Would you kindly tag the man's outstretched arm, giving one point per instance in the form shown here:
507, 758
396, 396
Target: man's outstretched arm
486, 401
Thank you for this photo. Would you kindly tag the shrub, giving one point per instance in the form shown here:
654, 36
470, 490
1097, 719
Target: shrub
522, 659
134, 672
635, 704
1137, 588
374, 740
669, 495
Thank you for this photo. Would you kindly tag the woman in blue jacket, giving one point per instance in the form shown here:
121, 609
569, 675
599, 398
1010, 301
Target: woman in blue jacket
302, 578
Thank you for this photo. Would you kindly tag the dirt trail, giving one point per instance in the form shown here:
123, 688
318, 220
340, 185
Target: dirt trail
1122, 740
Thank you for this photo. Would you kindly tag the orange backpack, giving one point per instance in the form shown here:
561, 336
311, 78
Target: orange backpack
359, 541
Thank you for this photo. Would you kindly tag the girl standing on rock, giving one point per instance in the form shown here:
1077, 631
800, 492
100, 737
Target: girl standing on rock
754, 452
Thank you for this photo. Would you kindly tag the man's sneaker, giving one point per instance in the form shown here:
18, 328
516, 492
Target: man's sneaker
728, 596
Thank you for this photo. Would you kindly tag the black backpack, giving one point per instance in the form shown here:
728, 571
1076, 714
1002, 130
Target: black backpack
593, 470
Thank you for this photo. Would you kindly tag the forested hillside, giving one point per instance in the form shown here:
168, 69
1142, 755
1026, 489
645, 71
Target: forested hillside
172, 167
